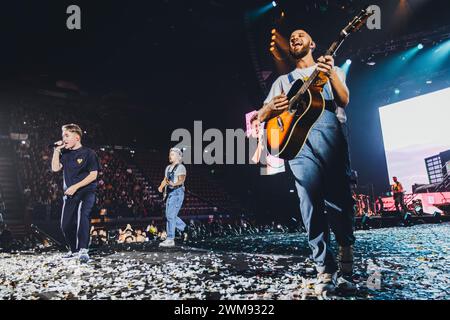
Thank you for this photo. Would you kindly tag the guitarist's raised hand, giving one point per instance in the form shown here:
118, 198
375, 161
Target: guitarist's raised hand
341, 94
325, 64
276, 106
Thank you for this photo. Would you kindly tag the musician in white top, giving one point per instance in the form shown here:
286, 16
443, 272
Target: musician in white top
173, 187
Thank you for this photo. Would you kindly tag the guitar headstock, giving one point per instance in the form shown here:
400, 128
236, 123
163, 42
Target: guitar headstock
357, 22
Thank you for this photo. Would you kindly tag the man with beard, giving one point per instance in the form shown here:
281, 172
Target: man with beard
322, 168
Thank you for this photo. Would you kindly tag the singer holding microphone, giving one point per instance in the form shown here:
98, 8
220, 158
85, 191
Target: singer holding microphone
80, 166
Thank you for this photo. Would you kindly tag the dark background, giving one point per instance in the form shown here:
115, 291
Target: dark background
168, 63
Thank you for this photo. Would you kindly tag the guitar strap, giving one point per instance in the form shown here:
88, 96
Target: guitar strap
170, 174
291, 78
170, 177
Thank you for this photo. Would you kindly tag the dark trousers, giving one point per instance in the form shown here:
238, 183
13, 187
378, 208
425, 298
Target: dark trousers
322, 177
75, 219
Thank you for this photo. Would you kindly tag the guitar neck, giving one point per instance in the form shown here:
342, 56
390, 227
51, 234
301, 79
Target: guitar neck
353, 26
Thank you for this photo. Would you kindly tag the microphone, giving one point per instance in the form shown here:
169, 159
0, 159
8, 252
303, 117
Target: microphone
54, 145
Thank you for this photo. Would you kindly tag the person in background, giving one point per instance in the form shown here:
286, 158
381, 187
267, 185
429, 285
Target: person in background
173, 186
398, 194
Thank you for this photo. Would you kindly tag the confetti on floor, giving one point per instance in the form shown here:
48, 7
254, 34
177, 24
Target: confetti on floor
394, 263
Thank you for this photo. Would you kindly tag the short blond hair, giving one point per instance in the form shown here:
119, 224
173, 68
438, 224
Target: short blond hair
72, 127
178, 152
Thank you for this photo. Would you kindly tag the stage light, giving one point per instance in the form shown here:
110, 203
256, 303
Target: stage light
440, 55
435, 58
420, 46
397, 91
272, 44
371, 63
397, 63
429, 82
257, 13
274, 31
24, 142
274, 37
272, 49
346, 66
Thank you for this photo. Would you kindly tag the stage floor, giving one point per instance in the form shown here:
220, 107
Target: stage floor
401, 263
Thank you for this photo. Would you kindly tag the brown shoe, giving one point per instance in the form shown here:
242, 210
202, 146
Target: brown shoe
344, 285
345, 261
325, 283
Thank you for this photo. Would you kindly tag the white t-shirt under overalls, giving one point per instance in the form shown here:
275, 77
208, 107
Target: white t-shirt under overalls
180, 171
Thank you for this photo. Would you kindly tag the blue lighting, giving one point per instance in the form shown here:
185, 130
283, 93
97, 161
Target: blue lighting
257, 13
397, 91
346, 66
420, 46
434, 57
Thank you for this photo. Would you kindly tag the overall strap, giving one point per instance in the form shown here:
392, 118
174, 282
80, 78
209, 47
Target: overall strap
291, 78
173, 170
175, 167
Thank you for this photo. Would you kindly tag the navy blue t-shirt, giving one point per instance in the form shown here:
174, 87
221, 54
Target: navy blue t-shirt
77, 164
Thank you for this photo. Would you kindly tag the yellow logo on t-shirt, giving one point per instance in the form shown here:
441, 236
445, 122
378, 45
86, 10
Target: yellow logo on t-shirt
79, 161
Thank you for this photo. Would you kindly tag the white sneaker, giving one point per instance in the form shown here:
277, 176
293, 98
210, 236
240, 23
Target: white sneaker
70, 255
167, 243
84, 256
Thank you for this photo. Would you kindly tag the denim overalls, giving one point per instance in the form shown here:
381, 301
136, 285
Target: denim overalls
174, 201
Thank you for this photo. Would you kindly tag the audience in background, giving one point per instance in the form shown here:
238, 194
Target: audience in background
120, 192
